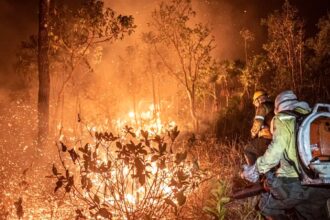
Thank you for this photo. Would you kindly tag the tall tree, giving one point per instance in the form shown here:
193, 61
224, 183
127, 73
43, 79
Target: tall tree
43, 70
247, 36
285, 47
189, 47
76, 34
319, 63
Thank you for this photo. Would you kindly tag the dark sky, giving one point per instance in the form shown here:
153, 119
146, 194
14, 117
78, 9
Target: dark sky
18, 20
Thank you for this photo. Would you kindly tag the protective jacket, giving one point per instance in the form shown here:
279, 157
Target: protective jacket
262, 120
282, 150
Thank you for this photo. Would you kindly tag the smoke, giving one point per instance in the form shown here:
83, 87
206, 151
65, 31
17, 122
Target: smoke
226, 18
18, 20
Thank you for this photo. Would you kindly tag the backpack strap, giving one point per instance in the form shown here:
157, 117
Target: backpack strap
299, 117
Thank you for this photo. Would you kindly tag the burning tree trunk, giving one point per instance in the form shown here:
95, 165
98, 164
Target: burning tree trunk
43, 70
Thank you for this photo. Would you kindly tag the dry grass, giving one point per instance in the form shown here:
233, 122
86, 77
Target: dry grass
18, 179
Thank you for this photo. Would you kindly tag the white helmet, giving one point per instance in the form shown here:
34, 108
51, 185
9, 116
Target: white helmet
287, 100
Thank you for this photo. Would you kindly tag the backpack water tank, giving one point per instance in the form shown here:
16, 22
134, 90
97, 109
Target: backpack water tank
314, 146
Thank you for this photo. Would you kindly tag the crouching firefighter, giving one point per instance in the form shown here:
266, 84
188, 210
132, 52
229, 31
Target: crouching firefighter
260, 131
285, 192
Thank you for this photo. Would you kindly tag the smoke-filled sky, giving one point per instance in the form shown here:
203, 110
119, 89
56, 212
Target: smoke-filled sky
18, 20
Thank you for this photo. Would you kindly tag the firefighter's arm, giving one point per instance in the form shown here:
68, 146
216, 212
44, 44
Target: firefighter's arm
256, 127
258, 121
274, 153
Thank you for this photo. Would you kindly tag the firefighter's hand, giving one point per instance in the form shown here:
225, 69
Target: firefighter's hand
250, 173
254, 134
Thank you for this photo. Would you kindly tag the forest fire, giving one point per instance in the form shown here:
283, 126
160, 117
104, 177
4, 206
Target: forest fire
142, 110
149, 121
130, 176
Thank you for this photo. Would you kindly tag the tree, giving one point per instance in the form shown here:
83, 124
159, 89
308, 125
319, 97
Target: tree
76, 34
285, 47
43, 70
247, 37
189, 46
319, 64
257, 74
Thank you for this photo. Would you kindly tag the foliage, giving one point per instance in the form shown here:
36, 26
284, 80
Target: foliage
318, 64
257, 75
191, 46
247, 210
285, 47
219, 198
126, 176
77, 32
247, 36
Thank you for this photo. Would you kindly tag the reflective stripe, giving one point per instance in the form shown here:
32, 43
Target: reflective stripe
259, 117
285, 117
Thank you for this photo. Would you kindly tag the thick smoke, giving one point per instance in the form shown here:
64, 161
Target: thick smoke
19, 18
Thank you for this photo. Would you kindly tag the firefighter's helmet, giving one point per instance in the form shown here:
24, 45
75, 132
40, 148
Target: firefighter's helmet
283, 97
259, 94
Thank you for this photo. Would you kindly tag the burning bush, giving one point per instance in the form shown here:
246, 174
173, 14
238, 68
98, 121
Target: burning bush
126, 177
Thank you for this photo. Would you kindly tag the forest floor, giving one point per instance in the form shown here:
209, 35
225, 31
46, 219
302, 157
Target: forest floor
26, 192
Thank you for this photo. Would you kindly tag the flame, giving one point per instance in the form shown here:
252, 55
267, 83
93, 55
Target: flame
133, 194
149, 120
130, 198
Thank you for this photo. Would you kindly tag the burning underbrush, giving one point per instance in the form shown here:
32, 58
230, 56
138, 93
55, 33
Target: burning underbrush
149, 170
135, 175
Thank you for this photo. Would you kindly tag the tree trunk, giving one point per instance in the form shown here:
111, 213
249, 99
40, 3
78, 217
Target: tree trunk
43, 71
245, 50
153, 87
193, 110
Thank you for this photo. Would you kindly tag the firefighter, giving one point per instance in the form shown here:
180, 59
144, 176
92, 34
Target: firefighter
260, 131
285, 190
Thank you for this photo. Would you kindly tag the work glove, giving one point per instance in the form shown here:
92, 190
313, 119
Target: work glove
250, 173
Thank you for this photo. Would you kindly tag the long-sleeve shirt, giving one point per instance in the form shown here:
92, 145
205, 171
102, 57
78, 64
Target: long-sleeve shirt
261, 122
282, 148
